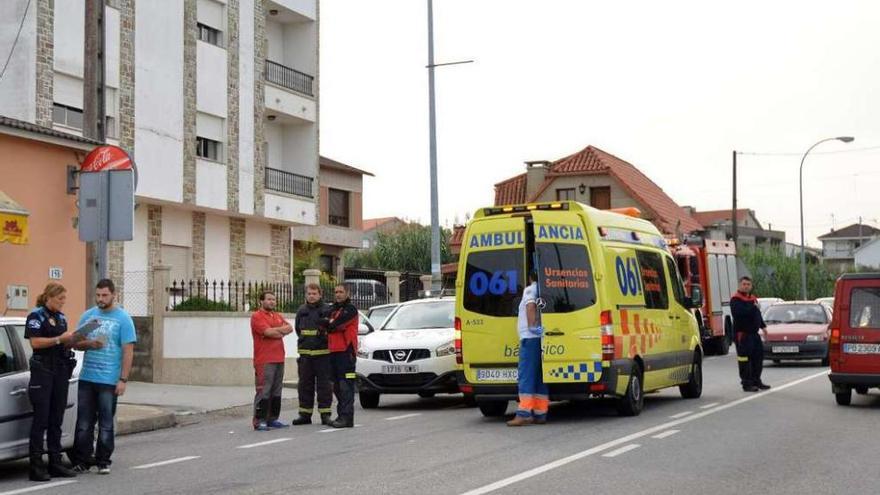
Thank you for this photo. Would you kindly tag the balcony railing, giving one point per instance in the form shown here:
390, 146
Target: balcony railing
286, 182
289, 78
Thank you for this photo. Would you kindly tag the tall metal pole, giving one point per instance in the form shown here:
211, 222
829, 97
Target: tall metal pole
734, 232
436, 276
94, 111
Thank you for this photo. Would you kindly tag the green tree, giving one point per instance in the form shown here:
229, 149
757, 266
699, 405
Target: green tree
405, 249
777, 275
307, 255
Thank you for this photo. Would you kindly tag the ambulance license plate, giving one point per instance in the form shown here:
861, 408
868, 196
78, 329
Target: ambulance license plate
861, 348
497, 375
393, 369
785, 349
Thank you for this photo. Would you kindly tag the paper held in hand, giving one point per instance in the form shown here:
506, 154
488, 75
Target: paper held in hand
87, 328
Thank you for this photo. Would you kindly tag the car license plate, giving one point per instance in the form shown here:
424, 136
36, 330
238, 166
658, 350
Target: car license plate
785, 349
393, 369
861, 348
497, 375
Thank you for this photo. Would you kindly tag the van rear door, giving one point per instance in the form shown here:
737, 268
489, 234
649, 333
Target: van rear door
860, 327
570, 316
494, 253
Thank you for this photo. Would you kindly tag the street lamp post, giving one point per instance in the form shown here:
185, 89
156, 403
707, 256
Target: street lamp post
845, 139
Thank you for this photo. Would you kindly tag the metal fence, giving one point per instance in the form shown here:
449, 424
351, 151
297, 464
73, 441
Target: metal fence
134, 295
359, 282
289, 78
223, 295
288, 182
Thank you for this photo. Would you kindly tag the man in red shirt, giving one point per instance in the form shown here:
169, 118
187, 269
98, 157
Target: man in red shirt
268, 328
342, 335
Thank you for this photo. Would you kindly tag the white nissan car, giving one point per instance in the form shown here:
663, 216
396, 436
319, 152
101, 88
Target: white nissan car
412, 353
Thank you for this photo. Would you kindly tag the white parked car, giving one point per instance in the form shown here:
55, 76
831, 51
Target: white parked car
412, 353
15, 407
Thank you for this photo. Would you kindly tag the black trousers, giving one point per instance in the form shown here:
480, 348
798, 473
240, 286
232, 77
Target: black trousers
344, 381
750, 357
315, 375
47, 392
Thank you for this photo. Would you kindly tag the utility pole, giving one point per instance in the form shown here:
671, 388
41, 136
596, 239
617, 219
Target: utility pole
734, 231
94, 108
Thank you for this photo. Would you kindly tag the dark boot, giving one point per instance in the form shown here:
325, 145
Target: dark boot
341, 422
325, 419
302, 420
38, 471
59, 470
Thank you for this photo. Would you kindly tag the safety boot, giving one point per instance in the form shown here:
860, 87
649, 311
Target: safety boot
342, 422
521, 421
302, 420
38, 471
59, 470
325, 419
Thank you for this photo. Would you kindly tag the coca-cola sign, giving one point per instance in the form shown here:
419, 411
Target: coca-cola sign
106, 158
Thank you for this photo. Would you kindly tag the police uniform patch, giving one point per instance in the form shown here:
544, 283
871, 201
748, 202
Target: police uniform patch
35, 324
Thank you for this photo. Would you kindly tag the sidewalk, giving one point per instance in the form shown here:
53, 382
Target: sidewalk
149, 406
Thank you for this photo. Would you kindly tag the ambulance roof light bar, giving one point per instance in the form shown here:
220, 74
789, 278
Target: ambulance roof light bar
522, 208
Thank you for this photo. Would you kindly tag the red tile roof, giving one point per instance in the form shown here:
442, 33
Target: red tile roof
456, 238
709, 218
372, 223
327, 162
668, 215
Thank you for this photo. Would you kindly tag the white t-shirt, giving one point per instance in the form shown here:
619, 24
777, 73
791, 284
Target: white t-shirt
530, 296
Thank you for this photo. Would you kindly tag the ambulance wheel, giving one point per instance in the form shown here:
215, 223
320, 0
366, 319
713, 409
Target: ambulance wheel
493, 409
843, 398
861, 390
633, 402
693, 389
369, 400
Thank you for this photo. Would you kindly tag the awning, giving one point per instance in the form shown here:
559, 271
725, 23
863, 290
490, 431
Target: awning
13, 221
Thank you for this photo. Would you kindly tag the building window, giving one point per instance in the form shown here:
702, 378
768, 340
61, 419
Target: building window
110, 127
208, 149
600, 197
67, 116
565, 194
338, 202
326, 264
210, 35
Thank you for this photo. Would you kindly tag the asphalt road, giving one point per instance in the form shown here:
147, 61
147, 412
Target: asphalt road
792, 439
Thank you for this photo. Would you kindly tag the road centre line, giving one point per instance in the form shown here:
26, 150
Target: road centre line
165, 463
666, 434
395, 418
622, 450
39, 487
260, 444
331, 430
681, 415
710, 406
531, 473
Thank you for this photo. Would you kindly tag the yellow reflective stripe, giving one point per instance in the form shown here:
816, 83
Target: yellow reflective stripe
305, 410
350, 375
308, 333
742, 359
313, 352
325, 410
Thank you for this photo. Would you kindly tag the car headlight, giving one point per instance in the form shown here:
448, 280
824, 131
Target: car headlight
447, 349
363, 353
819, 337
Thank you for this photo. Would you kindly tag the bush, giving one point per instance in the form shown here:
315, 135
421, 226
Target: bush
776, 275
203, 304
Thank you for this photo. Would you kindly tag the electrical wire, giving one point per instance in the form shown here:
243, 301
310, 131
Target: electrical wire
853, 150
27, 8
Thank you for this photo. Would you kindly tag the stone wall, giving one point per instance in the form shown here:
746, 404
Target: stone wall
45, 61
237, 248
190, 71
279, 269
198, 245
260, 49
142, 368
232, 112
154, 248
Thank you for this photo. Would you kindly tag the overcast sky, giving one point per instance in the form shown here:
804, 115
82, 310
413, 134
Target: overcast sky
672, 87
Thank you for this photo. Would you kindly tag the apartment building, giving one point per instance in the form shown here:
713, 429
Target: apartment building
217, 102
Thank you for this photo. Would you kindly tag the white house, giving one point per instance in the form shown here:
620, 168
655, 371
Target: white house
217, 103
868, 255
839, 246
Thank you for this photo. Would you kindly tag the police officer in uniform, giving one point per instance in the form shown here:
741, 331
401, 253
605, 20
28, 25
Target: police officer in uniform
747, 322
51, 367
342, 326
314, 358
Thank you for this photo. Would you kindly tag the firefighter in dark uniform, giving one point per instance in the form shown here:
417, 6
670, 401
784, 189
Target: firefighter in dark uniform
51, 367
747, 322
314, 358
342, 327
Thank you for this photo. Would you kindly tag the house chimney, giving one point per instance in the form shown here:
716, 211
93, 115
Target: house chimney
689, 210
536, 172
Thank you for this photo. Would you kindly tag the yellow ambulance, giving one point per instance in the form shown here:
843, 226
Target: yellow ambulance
616, 319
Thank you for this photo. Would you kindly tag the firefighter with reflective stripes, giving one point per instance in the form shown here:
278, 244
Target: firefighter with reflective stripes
747, 322
534, 398
342, 328
314, 358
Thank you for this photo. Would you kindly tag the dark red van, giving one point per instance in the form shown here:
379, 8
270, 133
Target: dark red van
854, 347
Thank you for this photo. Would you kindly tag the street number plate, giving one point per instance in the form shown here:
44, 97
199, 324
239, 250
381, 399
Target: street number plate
785, 349
861, 348
497, 375
393, 369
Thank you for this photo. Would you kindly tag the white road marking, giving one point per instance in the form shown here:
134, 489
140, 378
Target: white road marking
666, 434
681, 415
331, 430
709, 406
629, 438
260, 444
39, 487
165, 463
395, 418
622, 450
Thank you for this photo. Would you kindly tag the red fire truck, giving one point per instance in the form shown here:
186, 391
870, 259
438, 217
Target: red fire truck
709, 271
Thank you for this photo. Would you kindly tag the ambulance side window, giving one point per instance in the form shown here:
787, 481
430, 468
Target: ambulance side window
565, 277
677, 287
494, 282
653, 280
